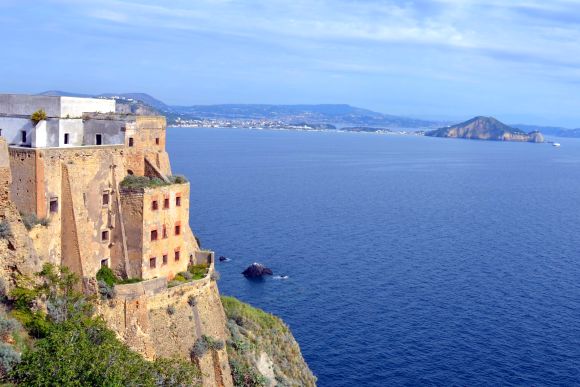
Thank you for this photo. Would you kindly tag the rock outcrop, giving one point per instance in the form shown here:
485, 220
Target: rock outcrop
257, 270
486, 128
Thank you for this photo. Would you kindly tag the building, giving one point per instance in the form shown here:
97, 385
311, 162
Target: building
71, 169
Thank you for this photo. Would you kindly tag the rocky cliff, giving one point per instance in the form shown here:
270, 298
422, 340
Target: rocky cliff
261, 348
486, 128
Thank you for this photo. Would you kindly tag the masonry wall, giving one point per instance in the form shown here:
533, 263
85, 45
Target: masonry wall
147, 136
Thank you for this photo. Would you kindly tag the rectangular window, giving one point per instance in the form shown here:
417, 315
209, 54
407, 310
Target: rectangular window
152, 262
166, 203
99, 139
153, 235
177, 229
164, 232
105, 262
178, 200
0, 132
165, 259
177, 255
105, 199
23, 136
131, 141
66, 138
157, 141
53, 205
154, 205
104, 236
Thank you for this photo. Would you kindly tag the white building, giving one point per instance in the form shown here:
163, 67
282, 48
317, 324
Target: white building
64, 125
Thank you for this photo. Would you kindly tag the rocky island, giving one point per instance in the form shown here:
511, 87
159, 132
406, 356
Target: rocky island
486, 128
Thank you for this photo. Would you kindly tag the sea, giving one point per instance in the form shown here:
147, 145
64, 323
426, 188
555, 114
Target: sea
409, 260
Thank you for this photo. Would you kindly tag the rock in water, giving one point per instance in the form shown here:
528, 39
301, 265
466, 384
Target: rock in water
257, 270
223, 259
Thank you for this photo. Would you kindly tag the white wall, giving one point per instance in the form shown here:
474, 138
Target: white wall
75, 129
11, 128
75, 107
25, 105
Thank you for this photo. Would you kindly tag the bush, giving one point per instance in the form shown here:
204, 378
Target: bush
107, 275
192, 301
173, 283
199, 348
141, 182
5, 230
198, 271
9, 358
246, 376
105, 290
177, 179
215, 275
31, 220
215, 344
186, 275
7, 326
38, 116
171, 310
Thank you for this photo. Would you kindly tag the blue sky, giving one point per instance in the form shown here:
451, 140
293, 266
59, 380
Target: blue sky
518, 60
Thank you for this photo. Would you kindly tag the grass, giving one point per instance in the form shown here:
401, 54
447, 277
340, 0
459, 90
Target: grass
142, 182
107, 275
194, 272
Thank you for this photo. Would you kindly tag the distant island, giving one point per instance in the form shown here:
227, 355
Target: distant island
486, 128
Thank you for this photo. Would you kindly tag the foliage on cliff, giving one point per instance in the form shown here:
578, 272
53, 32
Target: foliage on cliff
262, 350
75, 348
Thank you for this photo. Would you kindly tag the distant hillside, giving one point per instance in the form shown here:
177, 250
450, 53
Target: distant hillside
552, 130
486, 128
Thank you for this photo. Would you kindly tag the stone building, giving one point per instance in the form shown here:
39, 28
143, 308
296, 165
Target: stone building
69, 169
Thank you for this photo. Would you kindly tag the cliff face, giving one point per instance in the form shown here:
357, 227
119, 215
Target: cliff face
262, 349
486, 128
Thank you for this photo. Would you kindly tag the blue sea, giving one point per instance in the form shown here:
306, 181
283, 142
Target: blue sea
411, 260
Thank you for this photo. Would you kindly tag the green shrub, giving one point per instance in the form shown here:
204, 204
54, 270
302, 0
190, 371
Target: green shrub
199, 348
7, 326
31, 220
186, 275
215, 344
198, 271
5, 230
246, 376
173, 283
38, 116
107, 275
105, 290
177, 179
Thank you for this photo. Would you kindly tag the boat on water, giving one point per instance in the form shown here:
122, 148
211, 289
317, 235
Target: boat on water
556, 144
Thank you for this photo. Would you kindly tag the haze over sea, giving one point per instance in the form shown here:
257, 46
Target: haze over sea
411, 260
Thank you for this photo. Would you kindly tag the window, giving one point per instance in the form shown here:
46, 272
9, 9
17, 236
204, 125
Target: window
178, 200
165, 259
166, 203
157, 141
99, 139
153, 235
0, 132
177, 229
177, 255
23, 136
164, 232
53, 205
152, 262
105, 236
131, 141
105, 199
154, 205
66, 138
105, 262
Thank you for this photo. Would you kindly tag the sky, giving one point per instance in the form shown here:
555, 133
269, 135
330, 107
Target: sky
517, 60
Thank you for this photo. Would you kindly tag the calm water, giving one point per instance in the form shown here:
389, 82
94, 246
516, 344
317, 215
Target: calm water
411, 260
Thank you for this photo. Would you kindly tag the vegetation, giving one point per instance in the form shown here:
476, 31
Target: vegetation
254, 333
38, 116
75, 348
204, 344
31, 220
194, 272
5, 230
107, 280
142, 182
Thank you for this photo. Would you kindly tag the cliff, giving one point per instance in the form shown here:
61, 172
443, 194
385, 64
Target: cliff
262, 350
486, 128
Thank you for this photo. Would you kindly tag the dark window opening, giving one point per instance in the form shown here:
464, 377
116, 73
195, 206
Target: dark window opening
130, 141
164, 232
105, 262
0, 132
23, 136
99, 139
104, 236
66, 138
178, 201
106, 199
154, 205
165, 259
53, 205
152, 263
177, 255
153, 235
177, 229
129, 172
157, 141
166, 203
